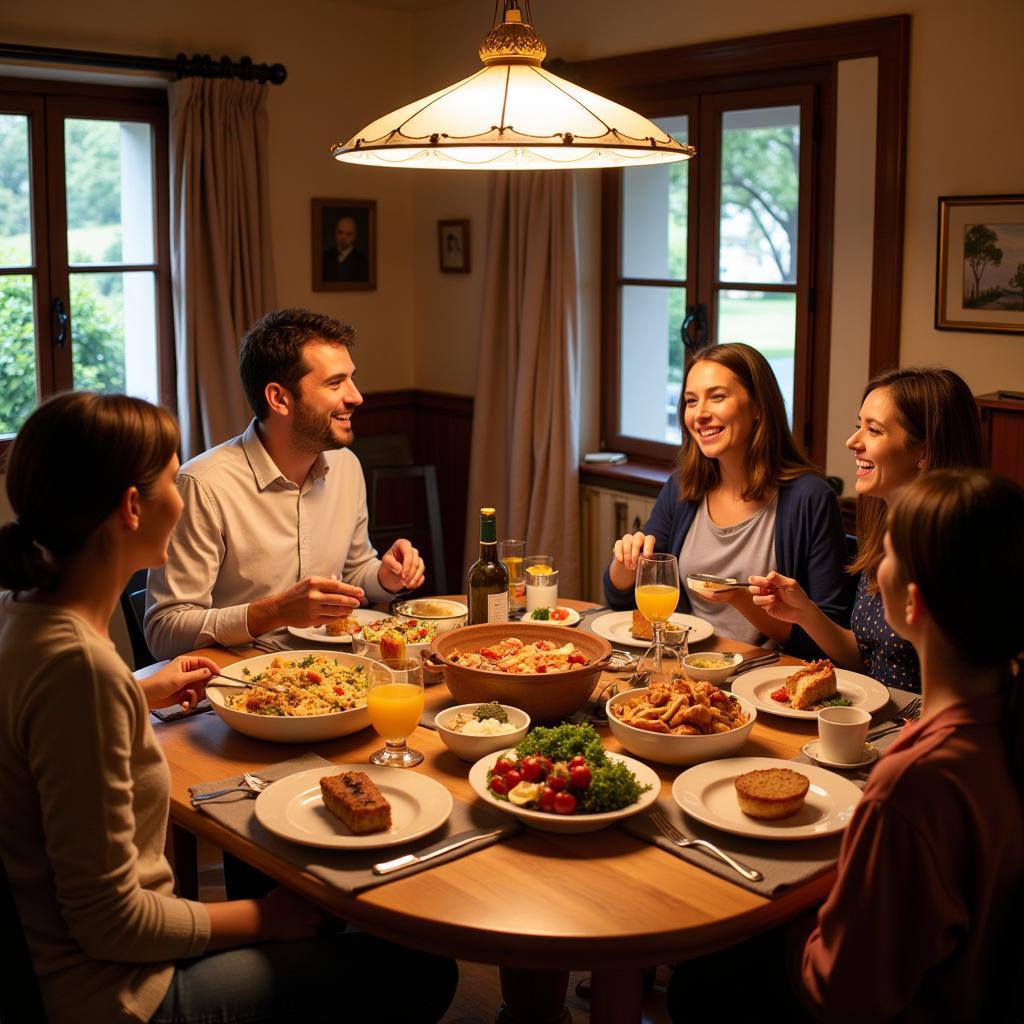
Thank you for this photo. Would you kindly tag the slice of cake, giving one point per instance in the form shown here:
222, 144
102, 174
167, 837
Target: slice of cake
641, 628
771, 793
814, 682
353, 798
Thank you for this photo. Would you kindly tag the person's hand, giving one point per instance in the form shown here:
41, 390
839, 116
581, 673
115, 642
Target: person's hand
717, 596
401, 568
181, 681
628, 550
781, 597
310, 602
284, 916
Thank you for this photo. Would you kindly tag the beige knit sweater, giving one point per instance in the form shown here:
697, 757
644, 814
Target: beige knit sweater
84, 787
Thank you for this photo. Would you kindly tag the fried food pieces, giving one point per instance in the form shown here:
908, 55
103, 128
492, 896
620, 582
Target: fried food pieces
682, 708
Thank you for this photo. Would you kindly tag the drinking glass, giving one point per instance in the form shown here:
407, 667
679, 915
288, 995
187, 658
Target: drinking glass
395, 703
657, 594
511, 553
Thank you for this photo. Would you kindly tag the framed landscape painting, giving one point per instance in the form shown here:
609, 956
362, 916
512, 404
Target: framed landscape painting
980, 278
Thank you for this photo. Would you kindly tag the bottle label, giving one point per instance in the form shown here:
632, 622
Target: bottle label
497, 607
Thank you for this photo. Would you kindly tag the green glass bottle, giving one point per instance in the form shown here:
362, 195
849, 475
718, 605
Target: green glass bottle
488, 577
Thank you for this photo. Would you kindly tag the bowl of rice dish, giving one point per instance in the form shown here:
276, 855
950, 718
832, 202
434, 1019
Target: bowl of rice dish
296, 696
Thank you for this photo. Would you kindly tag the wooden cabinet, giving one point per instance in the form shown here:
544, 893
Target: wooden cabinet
1002, 434
605, 515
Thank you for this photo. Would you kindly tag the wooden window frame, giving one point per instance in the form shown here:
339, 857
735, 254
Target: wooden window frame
651, 81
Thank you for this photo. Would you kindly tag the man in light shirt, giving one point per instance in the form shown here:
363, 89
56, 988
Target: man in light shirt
274, 531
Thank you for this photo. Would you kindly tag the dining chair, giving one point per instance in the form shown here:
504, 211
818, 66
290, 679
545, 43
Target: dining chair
133, 607
20, 1002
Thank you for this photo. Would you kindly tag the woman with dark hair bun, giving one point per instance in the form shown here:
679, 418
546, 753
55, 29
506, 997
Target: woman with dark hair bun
912, 420
91, 479
742, 498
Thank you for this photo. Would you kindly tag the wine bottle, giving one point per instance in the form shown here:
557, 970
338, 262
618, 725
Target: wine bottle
488, 577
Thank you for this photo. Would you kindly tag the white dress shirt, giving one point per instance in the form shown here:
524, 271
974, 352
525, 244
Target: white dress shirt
248, 532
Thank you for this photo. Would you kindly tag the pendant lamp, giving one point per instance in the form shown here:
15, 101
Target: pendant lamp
512, 115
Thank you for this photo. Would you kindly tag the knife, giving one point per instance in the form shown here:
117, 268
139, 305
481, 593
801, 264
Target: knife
461, 839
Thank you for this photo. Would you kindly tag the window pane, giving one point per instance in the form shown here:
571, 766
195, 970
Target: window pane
18, 393
109, 180
760, 193
654, 203
765, 321
113, 332
15, 195
651, 362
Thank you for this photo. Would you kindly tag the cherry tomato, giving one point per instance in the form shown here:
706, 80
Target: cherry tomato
565, 803
498, 784
545, 763
542, 668
577, 761
577, 659
513, 777
558, 777
502, 766
531, 769
579, 776
546, 800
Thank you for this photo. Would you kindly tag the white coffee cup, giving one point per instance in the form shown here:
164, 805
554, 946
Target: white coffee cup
842, 732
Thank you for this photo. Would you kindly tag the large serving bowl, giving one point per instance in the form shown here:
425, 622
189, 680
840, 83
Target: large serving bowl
281, 729
667, 749
545, 697
472, 748
443, 614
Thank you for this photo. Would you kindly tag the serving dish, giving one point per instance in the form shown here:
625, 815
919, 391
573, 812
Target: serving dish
445, 615
472, 748
729, 662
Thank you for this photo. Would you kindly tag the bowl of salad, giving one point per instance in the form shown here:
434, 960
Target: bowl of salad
548, 671
563, 780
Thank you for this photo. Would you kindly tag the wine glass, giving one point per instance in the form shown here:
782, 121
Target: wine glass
395, 703
657, 594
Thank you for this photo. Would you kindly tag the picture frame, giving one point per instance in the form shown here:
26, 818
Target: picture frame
344, 236
980, 270
453, 246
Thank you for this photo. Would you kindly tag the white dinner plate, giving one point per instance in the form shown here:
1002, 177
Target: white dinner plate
320, 634
707, 792
615, 626
567, 823
758, 684
574, 617
293, 808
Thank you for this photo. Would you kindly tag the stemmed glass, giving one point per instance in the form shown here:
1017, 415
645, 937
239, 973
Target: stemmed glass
395, 703
657, 594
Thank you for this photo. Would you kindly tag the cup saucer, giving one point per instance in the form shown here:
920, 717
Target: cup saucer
812, 750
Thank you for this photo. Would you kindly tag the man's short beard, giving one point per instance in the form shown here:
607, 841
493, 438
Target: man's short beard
313, 435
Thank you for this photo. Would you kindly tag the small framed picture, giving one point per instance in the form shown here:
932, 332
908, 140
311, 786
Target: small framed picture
344, 245
980, 276
453, 246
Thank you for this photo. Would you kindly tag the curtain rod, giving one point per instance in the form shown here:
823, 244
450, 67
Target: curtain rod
201, 65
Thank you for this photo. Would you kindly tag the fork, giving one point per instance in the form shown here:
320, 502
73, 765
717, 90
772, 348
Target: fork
251, 783
674, 836
911, 712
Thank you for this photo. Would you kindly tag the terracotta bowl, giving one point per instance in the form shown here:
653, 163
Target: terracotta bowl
545, 697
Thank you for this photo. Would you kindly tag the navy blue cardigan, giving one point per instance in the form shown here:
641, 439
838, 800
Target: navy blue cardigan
810, 546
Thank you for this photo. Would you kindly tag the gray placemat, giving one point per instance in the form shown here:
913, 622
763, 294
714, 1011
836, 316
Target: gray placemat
348, 870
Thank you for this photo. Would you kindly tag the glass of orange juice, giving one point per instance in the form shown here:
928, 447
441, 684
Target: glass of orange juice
395, 703
657, 594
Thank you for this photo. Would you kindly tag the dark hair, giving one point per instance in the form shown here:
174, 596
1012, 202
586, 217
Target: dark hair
937, 410
71, 462
956, 534
772, 455
271, 351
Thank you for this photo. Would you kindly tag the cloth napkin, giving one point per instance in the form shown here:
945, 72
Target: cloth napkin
351, 871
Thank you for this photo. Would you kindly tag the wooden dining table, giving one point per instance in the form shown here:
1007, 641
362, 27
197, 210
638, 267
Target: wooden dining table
537, 904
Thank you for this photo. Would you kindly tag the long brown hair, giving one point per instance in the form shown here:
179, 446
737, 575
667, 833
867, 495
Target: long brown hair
956, 533
71, 462
772, 455
937, 410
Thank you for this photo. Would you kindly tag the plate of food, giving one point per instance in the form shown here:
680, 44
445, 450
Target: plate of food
802, 691
632, 630
353, 807
767, 798
338, 631
563, 780
558, 616
296, 697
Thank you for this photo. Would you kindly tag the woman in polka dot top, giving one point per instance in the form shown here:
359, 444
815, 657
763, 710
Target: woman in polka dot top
911, 421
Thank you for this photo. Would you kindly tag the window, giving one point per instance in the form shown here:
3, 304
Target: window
84, 271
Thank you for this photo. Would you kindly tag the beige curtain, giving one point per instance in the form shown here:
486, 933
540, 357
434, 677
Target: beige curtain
525, 448
221, 254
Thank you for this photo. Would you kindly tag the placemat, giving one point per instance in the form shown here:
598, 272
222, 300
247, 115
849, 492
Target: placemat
350, 871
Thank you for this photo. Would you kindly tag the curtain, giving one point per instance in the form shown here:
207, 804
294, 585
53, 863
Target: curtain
525, 448
221, 256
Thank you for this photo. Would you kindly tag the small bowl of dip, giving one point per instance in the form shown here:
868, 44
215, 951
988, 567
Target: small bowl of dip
712, 666
484, 737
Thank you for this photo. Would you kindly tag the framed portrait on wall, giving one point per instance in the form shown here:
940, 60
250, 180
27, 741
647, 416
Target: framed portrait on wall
344, 245
453, 246
980, 274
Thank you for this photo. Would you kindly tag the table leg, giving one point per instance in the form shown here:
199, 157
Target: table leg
617, 996
186, 864
533, 997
